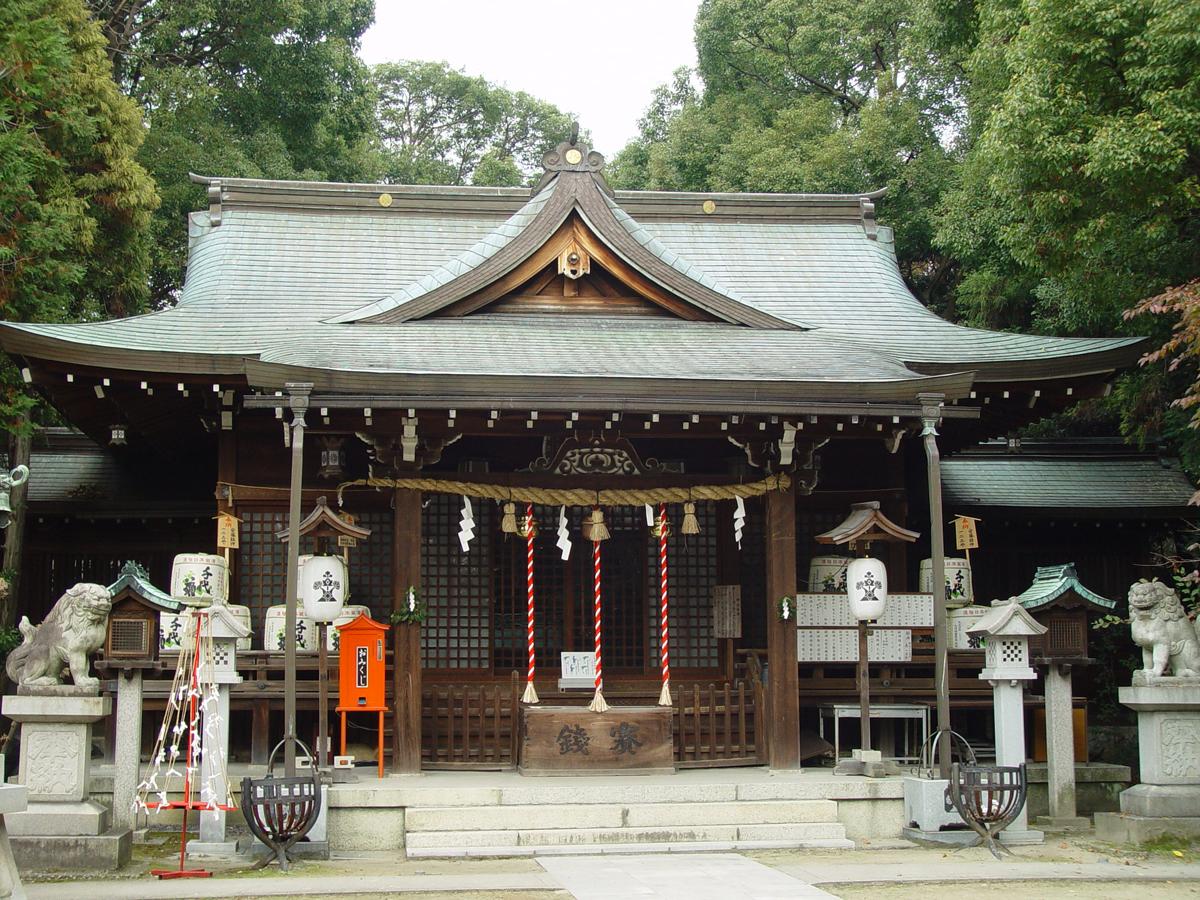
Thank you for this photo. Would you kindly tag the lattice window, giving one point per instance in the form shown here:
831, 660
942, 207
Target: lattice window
623, 565
691, 578
1012, 651
456, 586
509, 649
262, 562
371, 564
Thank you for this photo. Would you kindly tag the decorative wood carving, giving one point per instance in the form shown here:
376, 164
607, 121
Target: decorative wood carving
594, 456
574, 261
391, 454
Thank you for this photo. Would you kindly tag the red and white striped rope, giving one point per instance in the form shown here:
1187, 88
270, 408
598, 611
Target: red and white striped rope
664, 638
529, 532
596, 610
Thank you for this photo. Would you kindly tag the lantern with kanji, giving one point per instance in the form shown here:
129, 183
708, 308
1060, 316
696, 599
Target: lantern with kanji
362, 673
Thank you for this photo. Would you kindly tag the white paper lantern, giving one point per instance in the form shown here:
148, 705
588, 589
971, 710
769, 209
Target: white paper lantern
323, 587
866, 585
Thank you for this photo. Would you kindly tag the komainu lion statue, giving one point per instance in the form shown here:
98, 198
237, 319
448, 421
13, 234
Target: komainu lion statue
72, 632
1162, 629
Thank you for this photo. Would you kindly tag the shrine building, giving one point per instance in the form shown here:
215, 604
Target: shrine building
447, 358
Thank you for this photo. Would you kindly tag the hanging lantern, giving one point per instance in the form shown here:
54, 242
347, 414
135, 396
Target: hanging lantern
117, 436
323, 587
333, 458
866, 585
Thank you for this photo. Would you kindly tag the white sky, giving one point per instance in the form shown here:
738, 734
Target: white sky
599, 60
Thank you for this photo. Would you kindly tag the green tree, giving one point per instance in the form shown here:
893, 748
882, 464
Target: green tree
74, 201
251, 88
1079, 193
438, 125
842, 96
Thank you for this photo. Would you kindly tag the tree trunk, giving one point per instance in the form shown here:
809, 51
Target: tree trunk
14, 538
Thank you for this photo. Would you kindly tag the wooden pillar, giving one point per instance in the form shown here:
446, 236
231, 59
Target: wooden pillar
783, 682
298, 401
931, 415
406, 659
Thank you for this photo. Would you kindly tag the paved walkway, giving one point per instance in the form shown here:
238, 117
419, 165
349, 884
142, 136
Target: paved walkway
699, 876
707, 876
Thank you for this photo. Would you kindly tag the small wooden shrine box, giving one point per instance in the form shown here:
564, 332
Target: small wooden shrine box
362, 673
1060, 602
131, 637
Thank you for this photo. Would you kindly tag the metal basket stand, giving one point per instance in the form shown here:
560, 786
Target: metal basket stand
989, 799
280, 811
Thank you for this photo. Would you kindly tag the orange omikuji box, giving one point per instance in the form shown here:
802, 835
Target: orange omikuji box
362, 665
362, 674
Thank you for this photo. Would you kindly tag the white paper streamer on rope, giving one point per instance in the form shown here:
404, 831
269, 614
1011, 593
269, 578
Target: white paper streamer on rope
739, 520
649, 516
564, 534
466, 528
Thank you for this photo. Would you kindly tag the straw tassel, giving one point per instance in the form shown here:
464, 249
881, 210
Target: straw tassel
596, 530
508, 522
691, 525
530, 695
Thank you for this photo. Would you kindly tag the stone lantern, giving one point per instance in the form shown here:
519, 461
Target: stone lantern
1007, 629
1059, 601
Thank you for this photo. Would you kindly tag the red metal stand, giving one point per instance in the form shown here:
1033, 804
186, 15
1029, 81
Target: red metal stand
187, 803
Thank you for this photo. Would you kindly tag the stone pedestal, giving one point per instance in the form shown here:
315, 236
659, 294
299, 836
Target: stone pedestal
62, 828
1009, 712
12, 800
128, 755
1167, 801
212, 840
1060, 752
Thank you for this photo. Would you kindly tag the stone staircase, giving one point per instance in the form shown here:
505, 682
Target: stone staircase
574, 816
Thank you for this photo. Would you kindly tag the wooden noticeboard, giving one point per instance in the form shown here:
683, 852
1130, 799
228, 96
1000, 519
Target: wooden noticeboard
573, 740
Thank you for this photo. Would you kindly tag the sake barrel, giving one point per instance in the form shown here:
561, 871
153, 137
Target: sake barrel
827, 574
959, 591
199, 579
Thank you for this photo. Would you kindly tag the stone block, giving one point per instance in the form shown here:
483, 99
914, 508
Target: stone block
69, 819
1168, 729
1121, 828
366, 828
800, 832
424, 840
13, 797
1161, 800
871, 820
927, 806
1063, 823
212, 849
44, 853
77, 709
576, 837
763, 812
55, 760
514, 817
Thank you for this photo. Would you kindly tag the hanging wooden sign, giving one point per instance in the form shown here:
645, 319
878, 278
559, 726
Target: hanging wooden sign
345, 540
966, 536
227, 532
727, 611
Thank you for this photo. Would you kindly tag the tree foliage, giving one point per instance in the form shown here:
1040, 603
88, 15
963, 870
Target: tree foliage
74, 202
251, 88
438, 125
841, 96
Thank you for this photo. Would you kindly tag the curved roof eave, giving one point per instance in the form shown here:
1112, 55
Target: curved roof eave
605, 392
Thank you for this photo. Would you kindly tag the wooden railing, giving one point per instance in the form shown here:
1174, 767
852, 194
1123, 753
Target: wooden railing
470, 726
719, 724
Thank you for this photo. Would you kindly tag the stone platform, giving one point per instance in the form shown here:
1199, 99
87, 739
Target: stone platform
505, 814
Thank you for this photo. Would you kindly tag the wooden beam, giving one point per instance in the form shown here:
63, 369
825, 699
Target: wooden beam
406, 660
783, 682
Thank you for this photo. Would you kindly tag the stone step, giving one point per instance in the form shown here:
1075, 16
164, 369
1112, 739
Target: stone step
574, 816
804, 834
